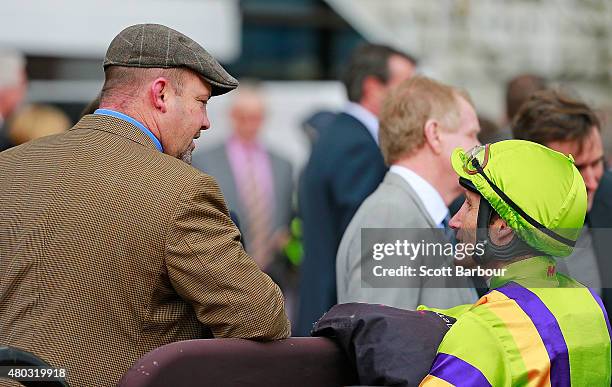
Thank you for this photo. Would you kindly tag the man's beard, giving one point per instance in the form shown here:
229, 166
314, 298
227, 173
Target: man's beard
185, 156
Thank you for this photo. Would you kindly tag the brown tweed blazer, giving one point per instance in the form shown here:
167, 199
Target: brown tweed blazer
109, 249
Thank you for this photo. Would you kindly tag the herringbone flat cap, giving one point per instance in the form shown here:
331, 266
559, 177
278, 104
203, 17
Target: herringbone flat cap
158, 46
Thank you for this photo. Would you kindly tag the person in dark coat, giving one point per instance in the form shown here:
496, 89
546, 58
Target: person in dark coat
345, 167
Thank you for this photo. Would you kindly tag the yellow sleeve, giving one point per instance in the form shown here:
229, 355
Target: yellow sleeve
469, 355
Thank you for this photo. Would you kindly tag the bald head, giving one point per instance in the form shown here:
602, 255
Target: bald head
247, 113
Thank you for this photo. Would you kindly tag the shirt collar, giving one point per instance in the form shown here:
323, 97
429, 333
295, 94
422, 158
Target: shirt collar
533, 272
363, 115
236, 141
434, 204
125, 117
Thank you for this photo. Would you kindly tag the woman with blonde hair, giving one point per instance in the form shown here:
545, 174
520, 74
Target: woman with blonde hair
36, 121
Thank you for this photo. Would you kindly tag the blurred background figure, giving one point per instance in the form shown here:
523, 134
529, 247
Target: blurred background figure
605, 117
518, 90
315, 123
35, 121
91, 107
489, 131
568, 125
344, 168
256, 183
13, 86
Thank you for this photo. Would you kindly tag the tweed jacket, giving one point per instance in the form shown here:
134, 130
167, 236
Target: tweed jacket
110, 248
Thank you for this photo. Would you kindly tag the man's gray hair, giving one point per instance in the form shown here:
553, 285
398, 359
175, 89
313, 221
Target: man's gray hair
12, 63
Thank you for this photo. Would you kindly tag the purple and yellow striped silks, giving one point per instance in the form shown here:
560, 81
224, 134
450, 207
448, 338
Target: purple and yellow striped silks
603, 310
605, 314
529, 345
433, 381
548, 329
527, 337
457, 372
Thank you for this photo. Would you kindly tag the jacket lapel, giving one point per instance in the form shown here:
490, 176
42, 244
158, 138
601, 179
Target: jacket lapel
395, 179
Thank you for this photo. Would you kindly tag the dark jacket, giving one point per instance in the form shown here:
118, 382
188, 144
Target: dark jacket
600, 222
387, 346
5, 142
344, 168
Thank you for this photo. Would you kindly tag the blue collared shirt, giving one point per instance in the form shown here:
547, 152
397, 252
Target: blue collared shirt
125, 117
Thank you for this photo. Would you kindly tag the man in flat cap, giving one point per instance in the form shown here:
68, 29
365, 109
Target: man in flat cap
112, 245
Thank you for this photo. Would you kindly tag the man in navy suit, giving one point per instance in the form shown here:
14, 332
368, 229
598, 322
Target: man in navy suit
344, 168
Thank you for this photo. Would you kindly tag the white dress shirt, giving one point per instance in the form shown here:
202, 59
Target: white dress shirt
431, 198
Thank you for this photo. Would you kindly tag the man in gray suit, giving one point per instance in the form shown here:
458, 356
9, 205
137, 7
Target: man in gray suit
256, 183
422, 121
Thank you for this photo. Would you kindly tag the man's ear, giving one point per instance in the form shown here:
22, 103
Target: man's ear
431, 132
159, 94
501, 234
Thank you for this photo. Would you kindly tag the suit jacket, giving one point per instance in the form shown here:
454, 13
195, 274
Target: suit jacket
345, 166
600, 222
110, 249
215, 162
394, 204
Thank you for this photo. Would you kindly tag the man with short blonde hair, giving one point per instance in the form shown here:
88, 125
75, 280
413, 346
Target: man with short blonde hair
407, 109
422, 121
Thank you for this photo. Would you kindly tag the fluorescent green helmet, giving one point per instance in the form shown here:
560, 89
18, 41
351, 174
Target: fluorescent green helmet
537, 191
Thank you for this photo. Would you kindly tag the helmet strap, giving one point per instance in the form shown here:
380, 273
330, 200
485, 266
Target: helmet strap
491, 251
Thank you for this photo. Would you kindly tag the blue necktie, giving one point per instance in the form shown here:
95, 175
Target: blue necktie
449, 233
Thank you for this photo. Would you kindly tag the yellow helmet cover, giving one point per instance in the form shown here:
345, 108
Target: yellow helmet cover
537, 191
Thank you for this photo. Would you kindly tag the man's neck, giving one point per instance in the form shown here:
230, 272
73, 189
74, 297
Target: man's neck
370, 107
147, 120
497, 264
442, 184
541, 268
